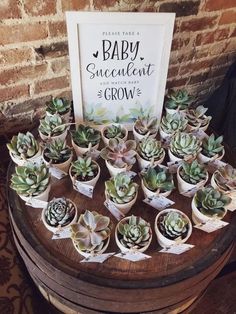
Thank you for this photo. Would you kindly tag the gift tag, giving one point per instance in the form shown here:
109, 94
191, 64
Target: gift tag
158, 202
84, 189
173, 165
133, 256
99, 258
34, 202
131, 174
177, 248
211, 225
57, 173
200, 134
114, 210
63, 233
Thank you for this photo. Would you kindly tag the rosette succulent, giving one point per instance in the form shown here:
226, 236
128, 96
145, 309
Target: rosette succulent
121, 189
52, 125
158, 179
150, 149
58, 105
113, 131
212, 146
172, 123
196, 116
173, 225
57, 151
85, 136
134, 233
183, 145
23, 145
225, 178
179, 99
193, 172
30, 180
146, 125
91, 232
84, 169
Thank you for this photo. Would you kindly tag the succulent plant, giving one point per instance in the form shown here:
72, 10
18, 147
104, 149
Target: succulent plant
113, 131
91, 232
30, 180
84, 135
119, 153
193, 172
211, 202
149, 148
172, 123
173, 225
197, 117
134, 233
185, 144
84, 169
158, 179
23, 145
58, 105
121, 189
225, 178
57, 151
146, 125
212, 146
179, 99
52, 125
59, 212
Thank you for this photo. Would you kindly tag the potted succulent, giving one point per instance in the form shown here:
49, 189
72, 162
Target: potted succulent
171, 124
184, 146
212, 148
60, 106
31, 181
52, 128
207, 204
133, 234
24, 148
157, 180
91, 235
121, 191
178, 100
60, 213
58, 155
84, 138
145, 126
191, 175
172, 227
114, 130
84, 170
197, 119
224, 179
119, 155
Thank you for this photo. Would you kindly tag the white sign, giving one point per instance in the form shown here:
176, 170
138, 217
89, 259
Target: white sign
99, 258
177, 248
212, 225
119, 64
133, 256
158, 202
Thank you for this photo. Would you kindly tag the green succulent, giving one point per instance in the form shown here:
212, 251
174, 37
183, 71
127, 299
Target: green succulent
192, 172
84, 169
185, 144
135, 233
84, 135
23, 145
114, 131
121, 189
173, 225
158, 179
59, 212
212, 146
52, 125
179, 99
57, 151
172, 123
211, 202
149, 149
145, 125
197, 117
225, 178
58, 105
91, 232
30, 180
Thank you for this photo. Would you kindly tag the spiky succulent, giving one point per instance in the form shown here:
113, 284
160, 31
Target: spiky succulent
135, 233
59, 212
211, 202
52, 125
145, 125
57, 151
179, 99
58, 105
158, 179
192, 172
23, 145
113, 131
121, 189
173, 225
225, 178
149, 148
84, 169
212, 146
185, 144
84, 135
30, 180
91, 232
119, 153
197, 117
172, 123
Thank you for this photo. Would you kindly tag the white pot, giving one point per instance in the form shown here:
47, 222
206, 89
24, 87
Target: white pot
80, 151
171, 111
42, 197
55, 229
149, 193
138, 137
164, 135
91, 182
106, 140
61, 136
124, 208
162, 240
172, 157
124, 249
143, 163
115, 170
65, 117
21, 162
64, 166
204, 159
184, 186
91, 254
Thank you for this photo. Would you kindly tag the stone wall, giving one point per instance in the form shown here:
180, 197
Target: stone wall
34, 54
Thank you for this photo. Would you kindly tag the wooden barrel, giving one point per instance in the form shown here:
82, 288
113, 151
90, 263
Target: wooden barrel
165, 283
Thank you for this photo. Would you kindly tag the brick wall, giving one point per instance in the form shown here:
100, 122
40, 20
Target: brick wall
34, 53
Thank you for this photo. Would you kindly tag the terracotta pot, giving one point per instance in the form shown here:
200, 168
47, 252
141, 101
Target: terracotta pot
91, 182
172, 157
124, 208
42, 196
61, 136
149, 193
80, 151
106, 140
64, 166
21, 162
138, 137
91, 254
204, 159
143, 163
115, 170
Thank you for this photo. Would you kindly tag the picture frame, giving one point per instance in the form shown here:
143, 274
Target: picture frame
119, 64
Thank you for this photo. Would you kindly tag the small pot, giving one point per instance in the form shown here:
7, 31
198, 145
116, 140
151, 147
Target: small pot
149, 193
21, 162
143, 163
172, 157
138, 137
106, 140
124, 249
80, 151
171, 111
91, 182
64, 166
162, 240
91, 254
115, 170
61, 136
65, 117
124, 208
164, 135
42, 197
204, 159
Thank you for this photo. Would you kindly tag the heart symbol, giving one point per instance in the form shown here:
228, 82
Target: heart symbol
141, 58
95, 54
